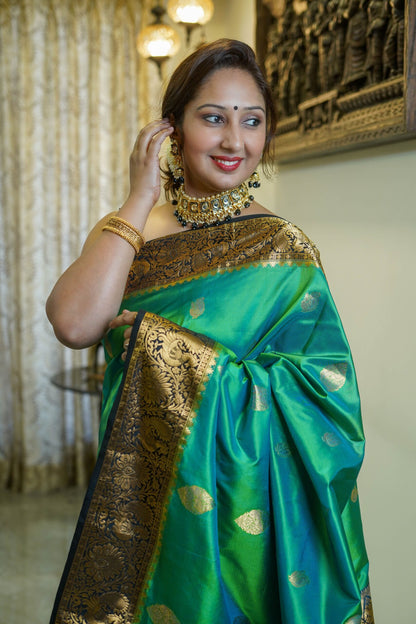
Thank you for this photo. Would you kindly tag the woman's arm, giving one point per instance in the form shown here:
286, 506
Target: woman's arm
88, 295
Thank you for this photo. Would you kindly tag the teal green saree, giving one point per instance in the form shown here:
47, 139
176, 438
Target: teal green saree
231, 440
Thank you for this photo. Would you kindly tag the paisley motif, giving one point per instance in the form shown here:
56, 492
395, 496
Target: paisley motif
254, 522
195, 499
283, 449
333, 377
160, 614
197, 307
331, 439
310, 301
299, 578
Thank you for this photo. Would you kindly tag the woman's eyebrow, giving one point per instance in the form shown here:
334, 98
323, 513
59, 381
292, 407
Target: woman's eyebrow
225, 108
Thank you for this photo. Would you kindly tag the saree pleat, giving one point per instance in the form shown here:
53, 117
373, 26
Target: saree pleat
231, 440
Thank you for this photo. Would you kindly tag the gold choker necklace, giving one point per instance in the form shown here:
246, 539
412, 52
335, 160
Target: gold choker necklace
199, 212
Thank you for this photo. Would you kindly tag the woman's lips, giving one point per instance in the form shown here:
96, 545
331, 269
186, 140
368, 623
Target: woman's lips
226, 163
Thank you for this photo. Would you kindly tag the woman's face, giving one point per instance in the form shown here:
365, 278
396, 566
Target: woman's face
223, 132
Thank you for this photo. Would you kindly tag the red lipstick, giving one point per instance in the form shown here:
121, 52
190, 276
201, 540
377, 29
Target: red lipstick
227, 163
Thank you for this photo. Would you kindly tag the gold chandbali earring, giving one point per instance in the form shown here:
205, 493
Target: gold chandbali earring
175, 163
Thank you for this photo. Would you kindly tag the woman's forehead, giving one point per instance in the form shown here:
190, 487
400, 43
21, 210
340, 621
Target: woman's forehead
230, 84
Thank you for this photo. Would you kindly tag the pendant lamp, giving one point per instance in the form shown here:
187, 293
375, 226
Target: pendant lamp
190, 13
158, 41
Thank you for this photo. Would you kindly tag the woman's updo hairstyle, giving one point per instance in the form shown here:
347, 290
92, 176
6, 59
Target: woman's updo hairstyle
193, 72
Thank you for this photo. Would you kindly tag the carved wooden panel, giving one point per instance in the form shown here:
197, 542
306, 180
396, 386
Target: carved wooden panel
343, 72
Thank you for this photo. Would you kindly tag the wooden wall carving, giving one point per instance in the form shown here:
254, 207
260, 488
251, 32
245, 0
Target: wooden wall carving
343, 72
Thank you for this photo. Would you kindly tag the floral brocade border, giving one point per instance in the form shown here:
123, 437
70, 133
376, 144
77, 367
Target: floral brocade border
113, 556
268, 240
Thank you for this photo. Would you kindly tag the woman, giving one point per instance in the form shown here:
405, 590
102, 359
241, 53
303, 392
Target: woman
225, 489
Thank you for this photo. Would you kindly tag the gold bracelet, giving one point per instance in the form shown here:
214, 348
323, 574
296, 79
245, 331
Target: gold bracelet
126, 230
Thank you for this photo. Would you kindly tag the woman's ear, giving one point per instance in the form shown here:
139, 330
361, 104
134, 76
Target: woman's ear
176, 134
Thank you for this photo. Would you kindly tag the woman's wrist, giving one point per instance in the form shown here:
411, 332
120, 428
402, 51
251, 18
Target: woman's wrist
136, 210
125, 230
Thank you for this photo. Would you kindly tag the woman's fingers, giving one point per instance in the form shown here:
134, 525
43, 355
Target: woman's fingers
150, 138
144, 161
127, 317
127, 333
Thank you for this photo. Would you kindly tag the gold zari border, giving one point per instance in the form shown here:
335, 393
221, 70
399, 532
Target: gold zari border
367, 607
184, 256
120, 537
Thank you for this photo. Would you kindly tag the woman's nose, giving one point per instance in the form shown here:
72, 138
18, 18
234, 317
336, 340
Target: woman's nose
232, 138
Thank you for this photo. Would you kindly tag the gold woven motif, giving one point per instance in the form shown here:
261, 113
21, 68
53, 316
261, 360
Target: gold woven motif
367, 606
160, 614
253, 522
299, 578
334, 376
196, 499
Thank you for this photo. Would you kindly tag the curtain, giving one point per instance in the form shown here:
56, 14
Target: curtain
73, 94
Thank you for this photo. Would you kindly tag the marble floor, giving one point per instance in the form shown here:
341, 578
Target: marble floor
35, 534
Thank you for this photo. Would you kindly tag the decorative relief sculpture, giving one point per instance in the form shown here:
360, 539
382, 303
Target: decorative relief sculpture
329, 62
394, 45
355, 46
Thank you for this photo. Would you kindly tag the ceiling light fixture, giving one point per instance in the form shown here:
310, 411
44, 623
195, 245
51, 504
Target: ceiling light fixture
190, 13
158, 41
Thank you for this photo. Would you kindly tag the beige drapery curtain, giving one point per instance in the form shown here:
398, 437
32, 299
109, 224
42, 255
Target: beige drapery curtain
73, 94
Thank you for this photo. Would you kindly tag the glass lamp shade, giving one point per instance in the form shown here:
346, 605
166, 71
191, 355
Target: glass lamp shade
190, 11
158, 41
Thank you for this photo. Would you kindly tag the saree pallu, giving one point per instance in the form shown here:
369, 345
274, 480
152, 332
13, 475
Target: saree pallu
231, 440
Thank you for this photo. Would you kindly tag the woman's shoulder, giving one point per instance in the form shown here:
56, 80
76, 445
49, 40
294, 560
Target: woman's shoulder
286, 237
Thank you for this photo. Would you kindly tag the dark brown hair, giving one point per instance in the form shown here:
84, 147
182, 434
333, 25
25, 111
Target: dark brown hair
193, 72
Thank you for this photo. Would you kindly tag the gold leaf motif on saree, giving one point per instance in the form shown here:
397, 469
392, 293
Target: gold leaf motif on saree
160, 614
197, 307
310, 301
333, 377
254, 522
354, 494
283, 449
331, 439
299, 578
195, 499
259, 399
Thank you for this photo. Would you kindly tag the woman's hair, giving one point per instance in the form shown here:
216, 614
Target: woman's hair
193, 72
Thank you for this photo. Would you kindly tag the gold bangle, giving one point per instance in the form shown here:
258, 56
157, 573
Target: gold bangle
126, 230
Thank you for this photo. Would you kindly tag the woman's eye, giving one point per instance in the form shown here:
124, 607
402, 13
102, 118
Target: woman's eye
253, 121
213, 118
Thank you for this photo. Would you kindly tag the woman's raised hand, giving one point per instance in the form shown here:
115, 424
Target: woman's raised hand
144, 164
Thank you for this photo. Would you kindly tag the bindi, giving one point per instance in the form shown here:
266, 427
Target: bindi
235, 107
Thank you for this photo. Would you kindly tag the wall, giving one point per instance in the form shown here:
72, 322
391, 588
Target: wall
359, 208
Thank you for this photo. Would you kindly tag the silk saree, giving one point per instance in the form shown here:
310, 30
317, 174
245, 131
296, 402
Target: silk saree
231, 439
